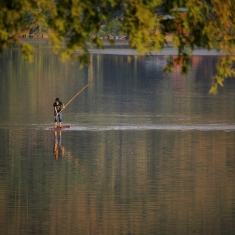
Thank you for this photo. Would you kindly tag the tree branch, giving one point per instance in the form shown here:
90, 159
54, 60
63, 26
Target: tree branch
14, 37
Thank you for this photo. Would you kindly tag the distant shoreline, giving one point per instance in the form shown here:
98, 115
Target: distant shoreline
121, 47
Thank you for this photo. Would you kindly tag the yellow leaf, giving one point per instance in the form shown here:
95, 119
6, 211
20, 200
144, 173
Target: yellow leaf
219, 80
214, 89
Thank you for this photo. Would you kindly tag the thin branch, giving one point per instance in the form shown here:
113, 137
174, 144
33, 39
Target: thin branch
14, 37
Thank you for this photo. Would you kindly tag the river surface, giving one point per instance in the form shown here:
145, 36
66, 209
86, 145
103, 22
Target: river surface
146, 153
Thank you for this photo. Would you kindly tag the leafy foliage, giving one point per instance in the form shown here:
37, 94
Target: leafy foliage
71, 24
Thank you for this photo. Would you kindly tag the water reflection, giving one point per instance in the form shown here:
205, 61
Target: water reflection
118, 182
58, 149
146, 153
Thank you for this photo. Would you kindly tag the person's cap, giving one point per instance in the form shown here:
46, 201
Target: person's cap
57, 99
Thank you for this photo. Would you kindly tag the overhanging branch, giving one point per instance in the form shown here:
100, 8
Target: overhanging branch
14, 37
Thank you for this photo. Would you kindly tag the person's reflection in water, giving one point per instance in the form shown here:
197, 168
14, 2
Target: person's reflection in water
58, 148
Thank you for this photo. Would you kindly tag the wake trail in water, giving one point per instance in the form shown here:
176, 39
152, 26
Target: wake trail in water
208, 127
167, 127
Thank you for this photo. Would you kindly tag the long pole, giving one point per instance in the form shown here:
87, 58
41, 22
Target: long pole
88, 84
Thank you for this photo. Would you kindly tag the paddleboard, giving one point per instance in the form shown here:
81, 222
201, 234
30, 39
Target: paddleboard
59, 128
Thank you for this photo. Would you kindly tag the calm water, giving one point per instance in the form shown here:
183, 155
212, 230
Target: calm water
146, 153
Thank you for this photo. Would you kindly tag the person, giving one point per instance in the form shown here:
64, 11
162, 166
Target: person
58, 107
